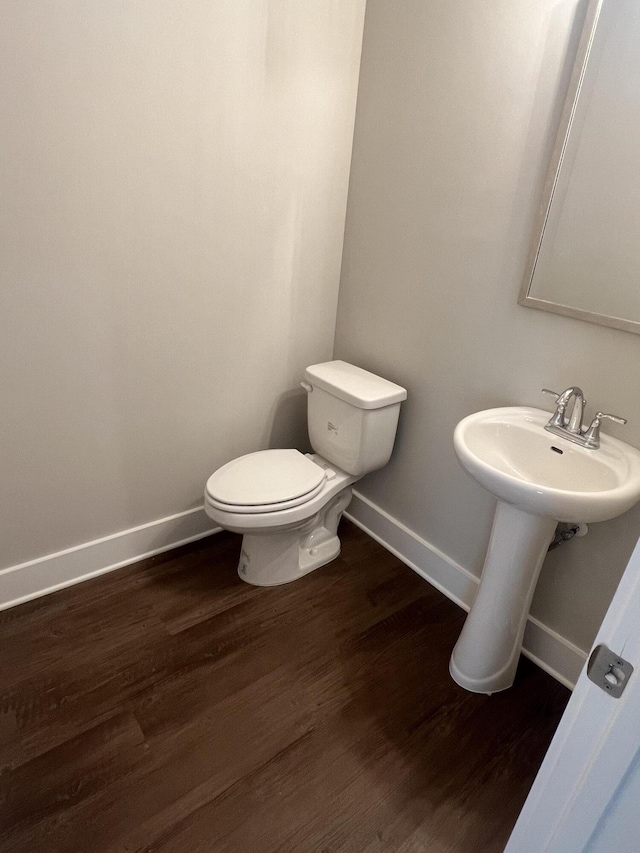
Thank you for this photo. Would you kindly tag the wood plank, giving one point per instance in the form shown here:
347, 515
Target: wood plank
70, 773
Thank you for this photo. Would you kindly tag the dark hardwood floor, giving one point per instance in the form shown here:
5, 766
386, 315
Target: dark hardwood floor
169, 706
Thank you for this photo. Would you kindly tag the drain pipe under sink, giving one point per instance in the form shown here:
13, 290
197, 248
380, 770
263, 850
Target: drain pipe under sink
565, 532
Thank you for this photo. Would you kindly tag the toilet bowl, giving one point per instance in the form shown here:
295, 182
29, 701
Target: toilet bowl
288, 504
292, 535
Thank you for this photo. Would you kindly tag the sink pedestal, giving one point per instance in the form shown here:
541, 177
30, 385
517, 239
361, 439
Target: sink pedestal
486, 655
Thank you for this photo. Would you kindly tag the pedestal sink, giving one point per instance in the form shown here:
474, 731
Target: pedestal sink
539, 480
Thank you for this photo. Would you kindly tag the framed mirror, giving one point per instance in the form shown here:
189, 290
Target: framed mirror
585, 260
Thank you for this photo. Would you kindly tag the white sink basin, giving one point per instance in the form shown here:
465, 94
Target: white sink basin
509, 452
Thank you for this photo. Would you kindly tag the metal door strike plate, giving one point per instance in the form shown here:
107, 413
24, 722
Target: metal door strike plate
609, 671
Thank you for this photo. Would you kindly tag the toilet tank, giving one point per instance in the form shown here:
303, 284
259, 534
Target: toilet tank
352, 415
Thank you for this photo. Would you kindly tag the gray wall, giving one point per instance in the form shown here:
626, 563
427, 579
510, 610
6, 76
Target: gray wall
457, 111
173, 182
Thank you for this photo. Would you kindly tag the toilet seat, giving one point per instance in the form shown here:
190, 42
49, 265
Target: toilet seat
265, 481
275, 517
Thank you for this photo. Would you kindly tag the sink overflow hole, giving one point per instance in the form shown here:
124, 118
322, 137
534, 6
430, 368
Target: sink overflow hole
557, 450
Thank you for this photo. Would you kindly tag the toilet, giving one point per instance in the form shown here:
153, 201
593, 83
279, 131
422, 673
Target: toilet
288, 504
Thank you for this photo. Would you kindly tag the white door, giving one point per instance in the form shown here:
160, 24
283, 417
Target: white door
586, 796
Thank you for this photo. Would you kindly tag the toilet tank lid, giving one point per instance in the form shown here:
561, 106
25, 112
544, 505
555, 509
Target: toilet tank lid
354, 385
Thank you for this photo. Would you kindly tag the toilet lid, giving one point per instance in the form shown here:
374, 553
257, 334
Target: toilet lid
265, 481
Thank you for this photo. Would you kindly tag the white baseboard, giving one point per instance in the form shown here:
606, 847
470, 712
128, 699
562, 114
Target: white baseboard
47, 574
553, 653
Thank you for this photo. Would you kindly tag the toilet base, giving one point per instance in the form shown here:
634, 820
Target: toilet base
271, 559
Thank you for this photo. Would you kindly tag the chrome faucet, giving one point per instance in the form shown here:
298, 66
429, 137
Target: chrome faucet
570, 426
559, 418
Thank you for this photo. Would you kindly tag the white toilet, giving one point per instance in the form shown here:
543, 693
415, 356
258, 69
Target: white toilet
288, 504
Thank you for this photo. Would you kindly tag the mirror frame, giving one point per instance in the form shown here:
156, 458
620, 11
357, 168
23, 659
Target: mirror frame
587, 37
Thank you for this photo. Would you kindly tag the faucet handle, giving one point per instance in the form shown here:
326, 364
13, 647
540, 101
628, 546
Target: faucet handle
553, 393
592, 435
616, 418
557, 418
